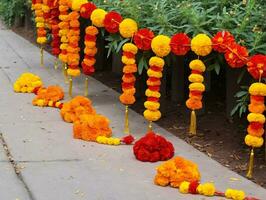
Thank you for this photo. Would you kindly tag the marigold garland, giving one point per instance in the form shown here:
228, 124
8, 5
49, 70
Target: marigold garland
222, 40
256, 64
27, 83
115, 141
161, 45
175, 171
97, 17
153, 148
236, 55
73, 109
86, 10
180, 44
201, 44
90, 50
128, 27
48, 96
89, 127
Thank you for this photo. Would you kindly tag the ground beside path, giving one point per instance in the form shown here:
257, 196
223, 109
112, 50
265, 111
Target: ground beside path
51, 165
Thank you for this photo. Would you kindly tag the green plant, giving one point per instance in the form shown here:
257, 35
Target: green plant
241, 102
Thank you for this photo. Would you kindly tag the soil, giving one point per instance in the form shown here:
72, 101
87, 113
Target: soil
219, 138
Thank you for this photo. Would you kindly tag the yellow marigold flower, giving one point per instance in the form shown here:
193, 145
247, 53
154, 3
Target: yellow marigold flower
161, 45
150, 93
40, 25
97, 17
197, 65
196, 78
183, 188
73, 72
152, 115
235, 194
45, 8
129, 47
256, 117
201, 44
207, 189
155, 74
156, 61
41, 40
254, 141
63, 46
258, 89
150, 105
128, 27
197, 86
128, 61
39, 19
161, 180
76, 4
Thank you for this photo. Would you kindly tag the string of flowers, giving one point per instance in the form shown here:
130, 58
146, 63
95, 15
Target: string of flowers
201, 45
55, 44
90, 51
64, 29
128, 80
161, 47
40, 25
209, 189
254, 138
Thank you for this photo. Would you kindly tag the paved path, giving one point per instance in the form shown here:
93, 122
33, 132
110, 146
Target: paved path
54, 166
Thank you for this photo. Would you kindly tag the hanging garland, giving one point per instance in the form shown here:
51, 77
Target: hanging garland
161, 47
90, 51
201, 45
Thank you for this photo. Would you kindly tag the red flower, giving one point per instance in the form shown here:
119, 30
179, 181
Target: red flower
112, 21
153, 148
87, 70
236, 55
86, 10
128, 139
255, 64
143, 39
221, 40
193, 187
180, 44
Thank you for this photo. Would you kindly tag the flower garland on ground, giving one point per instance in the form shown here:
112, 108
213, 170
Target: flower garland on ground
153, 148
73, 109
128, 80
27, 83
173, 172
201, 44
89, 127
40, 25
161, 47
127, 140
49, 96
209, 189
90, 51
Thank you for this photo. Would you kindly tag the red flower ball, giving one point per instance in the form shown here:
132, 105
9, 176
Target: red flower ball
112, 21
153, 148
87, 70
180, 44
86, 10
221, 40
193, 187
128, 139
236, 55
143, 39
256, 64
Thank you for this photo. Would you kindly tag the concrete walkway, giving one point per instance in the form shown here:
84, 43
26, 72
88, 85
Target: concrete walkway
51, 165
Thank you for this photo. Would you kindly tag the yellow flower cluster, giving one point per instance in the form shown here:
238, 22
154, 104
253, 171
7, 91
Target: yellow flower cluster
235, 194
258, 89
27, 82
201, 44
76, 4
97, 17
254, 141
128, 27
109, 141
207, 189
184, 186
161, 45
197, 65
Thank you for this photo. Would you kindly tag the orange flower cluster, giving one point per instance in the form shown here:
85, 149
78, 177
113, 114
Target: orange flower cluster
128, 85
173, 172
90, 50
46, 8
72, 110
40, 22
64, 29
73, 44
256, 118
152, 105
196, 86
89, 127
47, 95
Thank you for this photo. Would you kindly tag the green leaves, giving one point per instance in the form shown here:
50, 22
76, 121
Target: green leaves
241, 102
